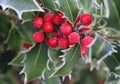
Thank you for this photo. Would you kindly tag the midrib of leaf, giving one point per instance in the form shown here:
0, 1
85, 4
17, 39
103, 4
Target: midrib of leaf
116, 11
69, 10
100, 49
36, 60
73, 55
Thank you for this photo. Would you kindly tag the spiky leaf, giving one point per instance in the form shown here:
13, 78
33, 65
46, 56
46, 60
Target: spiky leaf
17, 61
114, 19
101, 49
69, 8
36, 62
20, 6
14, 39
54, 57
70, 58
113, 62
50, 4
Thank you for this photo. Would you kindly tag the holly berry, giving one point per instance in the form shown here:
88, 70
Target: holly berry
57, 19
26, 45
63, 43
38, 37
66, 29
38, 22
48, 27
48, 17
86, 41
86, 19
53, 42
73, 38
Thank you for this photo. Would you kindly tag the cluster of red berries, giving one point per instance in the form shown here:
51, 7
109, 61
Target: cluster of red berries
56, 31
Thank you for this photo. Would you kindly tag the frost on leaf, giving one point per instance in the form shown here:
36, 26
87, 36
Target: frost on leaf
21, 6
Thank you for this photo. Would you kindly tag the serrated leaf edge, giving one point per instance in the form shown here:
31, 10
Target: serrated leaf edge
20, 13
63, 60
23, 70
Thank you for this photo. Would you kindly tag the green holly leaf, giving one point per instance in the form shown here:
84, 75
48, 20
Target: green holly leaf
21, 6
113, 61
101, 49
50, 4
28, 16
36, 61
70, 58
27, 30
114, 20
17, 61
47, 73
69, 8
14, 39
53, 55
87, 6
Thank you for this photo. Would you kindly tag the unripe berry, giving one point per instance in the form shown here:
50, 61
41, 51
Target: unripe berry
48, 27
38, 22
53, 42
57, 19
38, 37
86, 19
48, 17
27, 45
87, 40
63, 43
73, 38
66, 29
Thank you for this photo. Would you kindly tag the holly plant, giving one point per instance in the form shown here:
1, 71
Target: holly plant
58, 39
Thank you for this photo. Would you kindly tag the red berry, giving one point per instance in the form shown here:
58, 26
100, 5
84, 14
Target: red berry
38, 22
53, 42
48, 17
87, 40
83, 50
66, 29
63, 43
57, 19
73, 38
27, 45
86, 19
48, 27
38, 37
